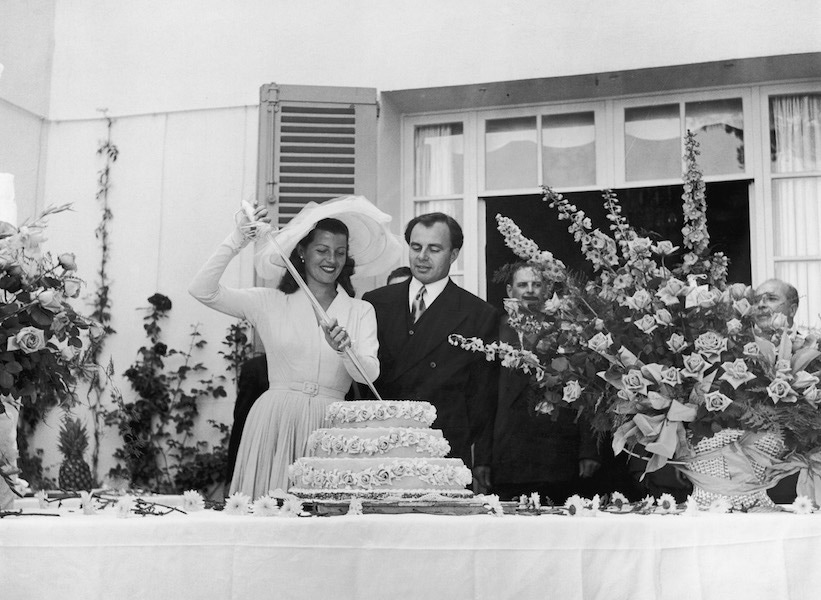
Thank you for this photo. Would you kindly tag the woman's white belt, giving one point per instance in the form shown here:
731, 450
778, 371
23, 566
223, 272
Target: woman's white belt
310, 388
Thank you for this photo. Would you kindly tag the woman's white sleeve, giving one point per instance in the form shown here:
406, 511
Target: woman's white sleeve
206, 287
365, 346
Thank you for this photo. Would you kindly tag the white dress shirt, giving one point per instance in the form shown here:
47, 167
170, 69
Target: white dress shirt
432, 291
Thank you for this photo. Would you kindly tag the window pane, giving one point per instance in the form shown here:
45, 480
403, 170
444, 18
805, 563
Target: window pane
569, 149
804, 275
796, 214
454, 208
795, 133
652, 142
719, 129
438, 160
510, 154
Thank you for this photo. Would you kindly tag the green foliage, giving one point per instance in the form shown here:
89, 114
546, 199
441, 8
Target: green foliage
41, 335
160, 452
101, 300
31, 463
239, 347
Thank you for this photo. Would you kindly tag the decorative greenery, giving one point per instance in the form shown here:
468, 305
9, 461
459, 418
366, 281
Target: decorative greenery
43, 339
240, 348
31, 463
159, 451
101, 299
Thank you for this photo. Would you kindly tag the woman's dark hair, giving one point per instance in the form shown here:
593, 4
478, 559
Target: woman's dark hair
289, 285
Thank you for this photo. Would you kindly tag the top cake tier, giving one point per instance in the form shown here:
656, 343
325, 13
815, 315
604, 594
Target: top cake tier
381, 413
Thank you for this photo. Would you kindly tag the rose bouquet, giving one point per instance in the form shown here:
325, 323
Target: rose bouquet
664, 356
41, 334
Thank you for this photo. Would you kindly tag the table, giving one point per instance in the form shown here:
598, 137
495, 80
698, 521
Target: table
210, 554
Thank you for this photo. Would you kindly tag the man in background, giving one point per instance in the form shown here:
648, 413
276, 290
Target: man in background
547, 454
252, 382
774, 297
399, 275
776, 303
417, 362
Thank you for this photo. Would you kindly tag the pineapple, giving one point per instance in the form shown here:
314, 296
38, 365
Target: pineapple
75, 473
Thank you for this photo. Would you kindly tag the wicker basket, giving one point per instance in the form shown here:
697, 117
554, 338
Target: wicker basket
714, 451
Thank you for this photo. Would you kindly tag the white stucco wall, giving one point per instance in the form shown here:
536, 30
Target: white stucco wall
26, 51
175, 186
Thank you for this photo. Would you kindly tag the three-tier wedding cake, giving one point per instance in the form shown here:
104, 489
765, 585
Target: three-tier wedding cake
379, 449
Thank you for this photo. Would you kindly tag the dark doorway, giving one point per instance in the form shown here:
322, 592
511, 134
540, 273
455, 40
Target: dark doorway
655, 212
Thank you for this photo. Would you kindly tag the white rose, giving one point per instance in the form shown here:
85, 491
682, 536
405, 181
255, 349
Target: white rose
572, 391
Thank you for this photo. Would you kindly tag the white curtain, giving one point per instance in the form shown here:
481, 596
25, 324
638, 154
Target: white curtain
797, 201
435, 148
797, 128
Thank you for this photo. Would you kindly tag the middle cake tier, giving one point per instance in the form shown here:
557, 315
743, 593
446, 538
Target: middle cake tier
389, 442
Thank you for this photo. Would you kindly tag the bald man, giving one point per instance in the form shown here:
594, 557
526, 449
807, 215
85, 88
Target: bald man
774, 297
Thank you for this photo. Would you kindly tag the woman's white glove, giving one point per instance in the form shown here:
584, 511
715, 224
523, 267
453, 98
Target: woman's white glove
247, 229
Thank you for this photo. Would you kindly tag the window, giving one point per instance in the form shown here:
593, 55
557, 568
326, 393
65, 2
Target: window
556, 149
439, 156
719, 128
654, 139
795, 165
652, 142
438, 175
511, 154
569, 149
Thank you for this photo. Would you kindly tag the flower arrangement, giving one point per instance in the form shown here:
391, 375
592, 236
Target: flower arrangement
41, 334
661, 355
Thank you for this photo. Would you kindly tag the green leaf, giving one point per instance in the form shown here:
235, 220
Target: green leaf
560, 364
6, 380
41, 317
13, 367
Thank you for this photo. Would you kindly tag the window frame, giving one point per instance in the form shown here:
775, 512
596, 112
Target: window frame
621, 105
764, 208
597, 107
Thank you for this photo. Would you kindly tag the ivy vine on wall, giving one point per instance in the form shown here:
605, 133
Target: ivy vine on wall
101, 299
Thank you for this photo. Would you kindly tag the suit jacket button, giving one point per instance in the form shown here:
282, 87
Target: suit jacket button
432, 365
411, 332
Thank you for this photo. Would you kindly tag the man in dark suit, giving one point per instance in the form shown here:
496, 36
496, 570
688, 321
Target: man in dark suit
414, 320
253, 381
547, 454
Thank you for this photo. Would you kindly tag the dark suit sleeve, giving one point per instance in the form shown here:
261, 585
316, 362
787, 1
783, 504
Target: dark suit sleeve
588, 445
482, 393
251, 384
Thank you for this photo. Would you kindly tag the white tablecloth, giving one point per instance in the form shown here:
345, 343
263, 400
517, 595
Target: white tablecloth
208, 555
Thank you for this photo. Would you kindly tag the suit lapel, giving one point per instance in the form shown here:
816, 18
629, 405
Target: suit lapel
439, 321
393, 314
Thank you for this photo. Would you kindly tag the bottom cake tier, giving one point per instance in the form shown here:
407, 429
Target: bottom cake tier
337, 478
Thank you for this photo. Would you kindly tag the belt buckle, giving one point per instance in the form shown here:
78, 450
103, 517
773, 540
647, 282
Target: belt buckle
310, 388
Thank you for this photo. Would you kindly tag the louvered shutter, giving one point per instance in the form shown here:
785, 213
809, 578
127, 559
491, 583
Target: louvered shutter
315, 143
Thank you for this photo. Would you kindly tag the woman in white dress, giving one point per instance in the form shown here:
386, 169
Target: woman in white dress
307, 366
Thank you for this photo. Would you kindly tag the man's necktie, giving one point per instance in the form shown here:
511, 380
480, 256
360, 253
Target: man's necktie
419, 304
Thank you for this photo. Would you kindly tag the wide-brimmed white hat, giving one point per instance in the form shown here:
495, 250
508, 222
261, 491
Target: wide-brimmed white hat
371, 244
